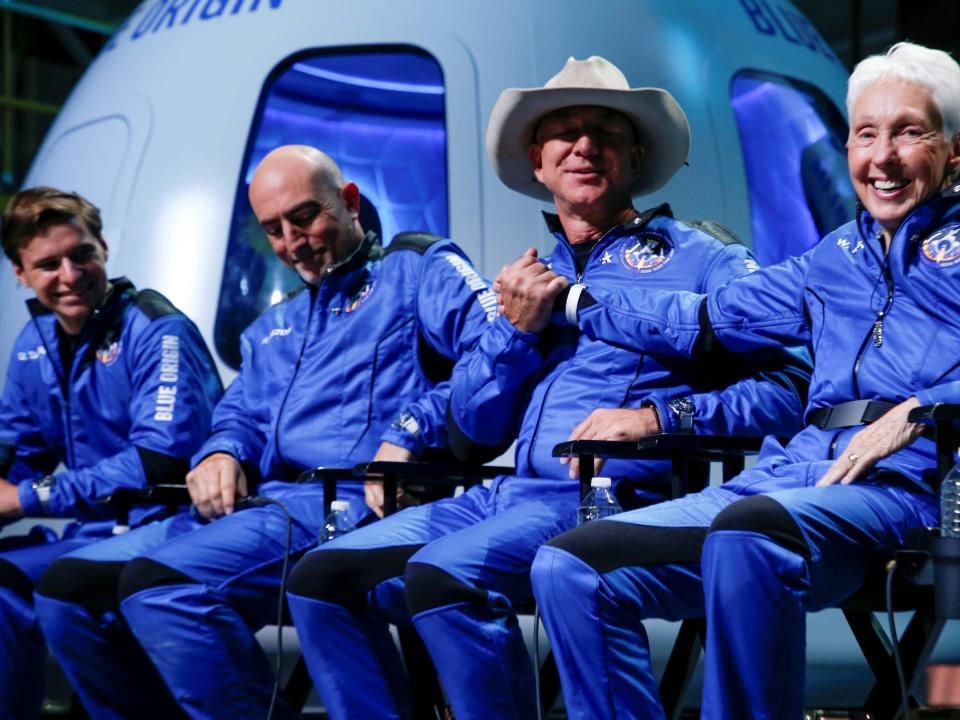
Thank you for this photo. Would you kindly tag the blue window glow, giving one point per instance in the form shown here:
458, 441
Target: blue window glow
379, 113
793, 150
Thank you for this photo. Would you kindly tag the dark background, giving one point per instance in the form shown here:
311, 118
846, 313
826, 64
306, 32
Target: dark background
45, 45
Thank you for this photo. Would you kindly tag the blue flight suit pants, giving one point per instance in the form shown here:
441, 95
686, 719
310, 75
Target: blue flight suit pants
23, 652
191, 595
753, 556
459, 570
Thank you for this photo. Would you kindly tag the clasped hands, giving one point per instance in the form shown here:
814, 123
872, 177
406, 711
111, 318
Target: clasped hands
526, 290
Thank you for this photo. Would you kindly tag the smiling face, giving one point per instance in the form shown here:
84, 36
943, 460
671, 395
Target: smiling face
897, 154
310, 223
66, 267
587, 157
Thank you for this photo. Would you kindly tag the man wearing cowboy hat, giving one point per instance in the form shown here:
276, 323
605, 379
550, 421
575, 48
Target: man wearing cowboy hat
458, 568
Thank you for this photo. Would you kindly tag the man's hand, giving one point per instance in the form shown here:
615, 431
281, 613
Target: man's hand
215, 483
373, 491
611, 424
526, 290
9, 500
876, 441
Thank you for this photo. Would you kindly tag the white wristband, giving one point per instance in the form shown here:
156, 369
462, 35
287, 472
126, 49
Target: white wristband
573, 299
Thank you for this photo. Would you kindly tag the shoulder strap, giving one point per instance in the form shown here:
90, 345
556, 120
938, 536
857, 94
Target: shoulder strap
419, 242
153, 304
715, 230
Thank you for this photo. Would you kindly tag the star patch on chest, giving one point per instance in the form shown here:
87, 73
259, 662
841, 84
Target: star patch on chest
942, 249
647, 252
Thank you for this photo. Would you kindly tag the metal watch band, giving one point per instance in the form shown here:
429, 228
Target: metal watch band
684, 409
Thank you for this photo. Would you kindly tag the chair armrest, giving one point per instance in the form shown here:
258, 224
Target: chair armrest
329, 476
707, 447
935, 412
943, 417
161, 493
394, 474
438, 473
680, 449
172, 495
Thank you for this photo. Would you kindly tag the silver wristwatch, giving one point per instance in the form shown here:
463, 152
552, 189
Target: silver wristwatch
684, 410
408, 423
43, 489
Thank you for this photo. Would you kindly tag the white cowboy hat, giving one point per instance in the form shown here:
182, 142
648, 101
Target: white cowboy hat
661, 126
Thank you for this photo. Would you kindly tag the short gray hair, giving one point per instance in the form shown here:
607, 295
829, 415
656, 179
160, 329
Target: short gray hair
909, 62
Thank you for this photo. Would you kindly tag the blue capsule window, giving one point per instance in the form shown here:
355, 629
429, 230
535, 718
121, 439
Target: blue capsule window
379, 113
793, 140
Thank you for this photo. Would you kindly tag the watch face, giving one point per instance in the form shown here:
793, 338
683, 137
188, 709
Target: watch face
681, 405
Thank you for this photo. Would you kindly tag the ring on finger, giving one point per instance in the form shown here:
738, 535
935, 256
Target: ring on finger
853, 457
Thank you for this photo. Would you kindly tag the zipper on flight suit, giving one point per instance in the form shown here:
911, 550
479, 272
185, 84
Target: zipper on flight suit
579, 276
876, 330
296, 367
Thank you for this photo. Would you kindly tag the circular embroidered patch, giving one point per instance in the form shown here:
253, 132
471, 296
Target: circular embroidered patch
647, 252
942, 249
108, 354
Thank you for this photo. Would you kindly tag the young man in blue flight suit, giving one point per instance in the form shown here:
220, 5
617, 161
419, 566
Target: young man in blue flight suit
333, 375
459, 568
112, 383
878, 302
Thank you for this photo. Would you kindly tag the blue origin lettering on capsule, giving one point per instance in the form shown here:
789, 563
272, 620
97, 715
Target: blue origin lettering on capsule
167, 14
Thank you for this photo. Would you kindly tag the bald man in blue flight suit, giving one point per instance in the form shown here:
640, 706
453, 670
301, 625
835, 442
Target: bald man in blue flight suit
113, 383
347, 368
877, 301
459, 567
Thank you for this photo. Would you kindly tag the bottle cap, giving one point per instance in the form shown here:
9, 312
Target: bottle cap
340, 505
600, 482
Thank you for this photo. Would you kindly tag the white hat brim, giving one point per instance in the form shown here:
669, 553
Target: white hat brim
661, 125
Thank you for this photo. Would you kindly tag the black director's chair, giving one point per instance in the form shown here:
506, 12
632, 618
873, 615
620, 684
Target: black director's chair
424, 482
690, 457
914, 586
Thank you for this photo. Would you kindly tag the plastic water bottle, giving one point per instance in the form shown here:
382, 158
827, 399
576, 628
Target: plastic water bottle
950, 504
599, 502
946, 549
337, 522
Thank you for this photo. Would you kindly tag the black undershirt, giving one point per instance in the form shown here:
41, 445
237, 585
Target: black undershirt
581, 252
68, 348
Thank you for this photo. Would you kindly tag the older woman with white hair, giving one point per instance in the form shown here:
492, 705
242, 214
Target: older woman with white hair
878, 303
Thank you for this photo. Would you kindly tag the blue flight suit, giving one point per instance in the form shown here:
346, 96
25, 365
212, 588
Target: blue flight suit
758, 553
466, 560
129, 408
323, 375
